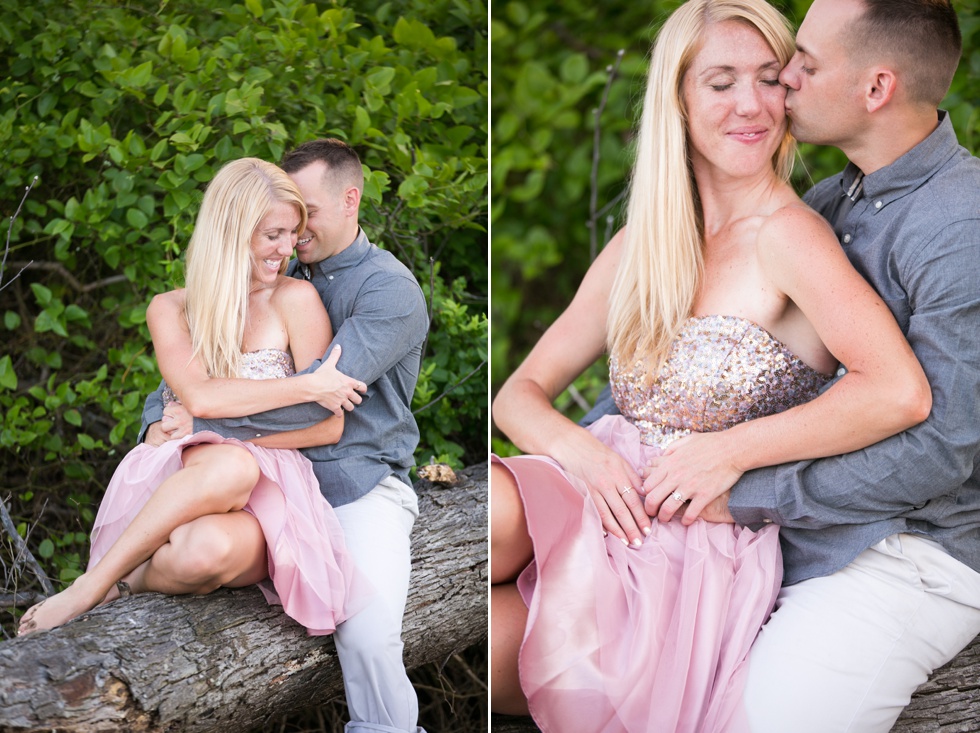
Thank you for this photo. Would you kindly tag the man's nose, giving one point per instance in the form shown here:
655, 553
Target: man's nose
790, 75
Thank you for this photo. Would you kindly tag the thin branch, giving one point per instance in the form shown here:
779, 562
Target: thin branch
10, 229
577, 398
75, 284
23, 599
23, 553
428, 305
450, 389
611, 70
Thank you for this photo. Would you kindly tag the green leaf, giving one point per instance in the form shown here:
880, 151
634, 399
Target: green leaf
254, 7
73, 417
42, 294
46, 549
8, 378
136, 218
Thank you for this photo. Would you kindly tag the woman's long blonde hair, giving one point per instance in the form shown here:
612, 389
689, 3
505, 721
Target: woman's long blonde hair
661, 269
218, 270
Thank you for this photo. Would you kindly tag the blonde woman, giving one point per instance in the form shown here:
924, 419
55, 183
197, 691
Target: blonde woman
259, 500
725, 305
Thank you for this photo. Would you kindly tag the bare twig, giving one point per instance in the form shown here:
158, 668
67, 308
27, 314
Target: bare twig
611, 70
24, 554
577, 398
451, 388
428, 305
10, 229
24, 599
75, 284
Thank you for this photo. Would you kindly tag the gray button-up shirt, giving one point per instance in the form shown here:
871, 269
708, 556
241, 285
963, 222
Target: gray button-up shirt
379, 319
913, 230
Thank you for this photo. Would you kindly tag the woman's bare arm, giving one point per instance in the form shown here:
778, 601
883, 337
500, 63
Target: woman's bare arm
884, 391
212, 398
523, 407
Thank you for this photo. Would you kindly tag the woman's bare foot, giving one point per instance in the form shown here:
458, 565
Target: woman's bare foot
60, 608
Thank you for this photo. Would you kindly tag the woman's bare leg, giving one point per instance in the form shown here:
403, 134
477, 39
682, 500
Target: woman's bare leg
510, 544
508, 618
215, 479
208, 553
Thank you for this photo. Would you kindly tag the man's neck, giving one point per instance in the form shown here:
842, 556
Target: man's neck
890, 138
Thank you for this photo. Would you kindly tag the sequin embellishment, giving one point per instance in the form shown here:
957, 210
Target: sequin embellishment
262, 364
720, 371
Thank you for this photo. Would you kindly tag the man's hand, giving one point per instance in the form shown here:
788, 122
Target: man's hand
337, 392
698, 468
177, 423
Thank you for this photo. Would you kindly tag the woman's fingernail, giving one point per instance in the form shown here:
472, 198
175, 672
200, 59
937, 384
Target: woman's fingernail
647, 531
637, 542
623, 540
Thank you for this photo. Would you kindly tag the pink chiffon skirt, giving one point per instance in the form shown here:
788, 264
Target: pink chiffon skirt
310, 573
648, 640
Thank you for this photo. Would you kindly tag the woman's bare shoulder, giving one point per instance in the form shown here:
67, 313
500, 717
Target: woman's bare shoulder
293, 292
794, 228
169, 302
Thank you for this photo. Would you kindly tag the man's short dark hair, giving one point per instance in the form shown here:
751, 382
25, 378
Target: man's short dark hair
340, 158
922, 35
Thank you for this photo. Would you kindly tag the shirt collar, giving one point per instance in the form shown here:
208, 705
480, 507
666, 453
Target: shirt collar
908, 172
348, 257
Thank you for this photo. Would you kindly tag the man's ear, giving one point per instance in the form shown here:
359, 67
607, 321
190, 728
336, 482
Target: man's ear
352, 200
882, 85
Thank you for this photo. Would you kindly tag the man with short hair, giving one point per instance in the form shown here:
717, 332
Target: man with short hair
881, 546
379, 317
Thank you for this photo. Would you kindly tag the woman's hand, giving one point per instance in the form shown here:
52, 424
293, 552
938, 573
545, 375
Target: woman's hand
698, 468
613, 486
337, 392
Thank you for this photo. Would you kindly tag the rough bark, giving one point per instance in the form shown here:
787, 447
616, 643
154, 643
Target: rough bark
948, 703
228, 661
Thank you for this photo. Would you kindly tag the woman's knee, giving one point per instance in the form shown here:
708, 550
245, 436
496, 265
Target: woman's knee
510, 544
201, 556
230, 471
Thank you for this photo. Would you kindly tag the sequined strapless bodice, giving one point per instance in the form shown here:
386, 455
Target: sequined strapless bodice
261, 364
720, 371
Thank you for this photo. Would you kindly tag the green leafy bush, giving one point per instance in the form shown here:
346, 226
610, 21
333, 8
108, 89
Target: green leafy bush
124, 111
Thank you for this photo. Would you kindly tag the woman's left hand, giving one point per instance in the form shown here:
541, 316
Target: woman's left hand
697, 468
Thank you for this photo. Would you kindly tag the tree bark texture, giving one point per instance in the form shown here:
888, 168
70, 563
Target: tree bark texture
949, 702
229, 661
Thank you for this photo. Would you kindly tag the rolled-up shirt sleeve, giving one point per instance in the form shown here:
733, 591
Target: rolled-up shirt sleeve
900, 475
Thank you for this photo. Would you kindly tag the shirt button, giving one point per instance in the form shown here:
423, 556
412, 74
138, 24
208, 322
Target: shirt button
258, 435
877, 204
847, 239
330, 277
841, 371
767, 521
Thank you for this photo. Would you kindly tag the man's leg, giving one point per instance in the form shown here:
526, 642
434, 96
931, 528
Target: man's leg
844, 653
377, 526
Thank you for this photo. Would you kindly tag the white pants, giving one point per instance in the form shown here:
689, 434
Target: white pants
380, 697
844, 653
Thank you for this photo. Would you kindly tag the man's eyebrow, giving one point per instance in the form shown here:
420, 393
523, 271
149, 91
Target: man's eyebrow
802, 49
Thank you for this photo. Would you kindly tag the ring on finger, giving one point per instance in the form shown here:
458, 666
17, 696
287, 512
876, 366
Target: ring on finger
677, 496
626, 490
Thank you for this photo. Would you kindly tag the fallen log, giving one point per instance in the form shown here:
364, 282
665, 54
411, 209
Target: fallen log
229, 661
948, 702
